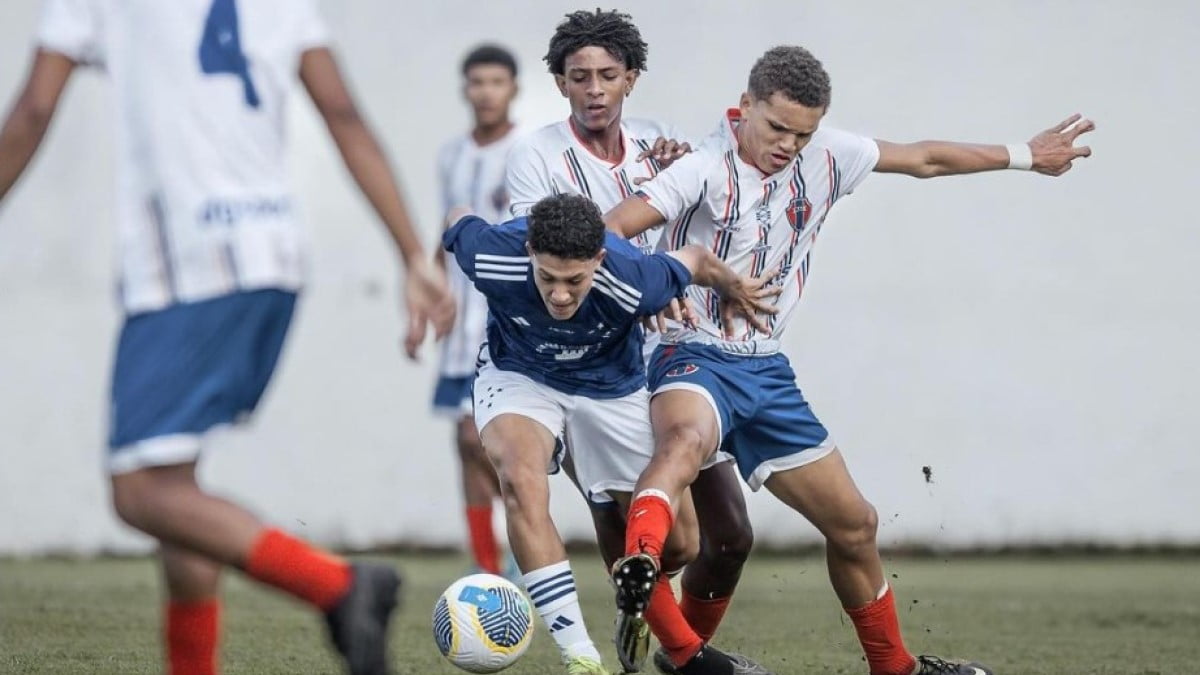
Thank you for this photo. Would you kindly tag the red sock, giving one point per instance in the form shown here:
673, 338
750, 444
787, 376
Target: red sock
483, 538
649, 521
879, 632
669, 626
280, 560
704, 615
191, 634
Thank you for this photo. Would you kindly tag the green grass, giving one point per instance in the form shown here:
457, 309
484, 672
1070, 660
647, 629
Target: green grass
1105, 615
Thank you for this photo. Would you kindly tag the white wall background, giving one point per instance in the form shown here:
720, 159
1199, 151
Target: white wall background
1032, 340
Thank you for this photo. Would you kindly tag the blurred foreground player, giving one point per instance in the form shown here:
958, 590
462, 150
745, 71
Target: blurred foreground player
210, 267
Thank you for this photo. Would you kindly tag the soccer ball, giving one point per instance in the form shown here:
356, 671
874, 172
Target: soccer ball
482, 623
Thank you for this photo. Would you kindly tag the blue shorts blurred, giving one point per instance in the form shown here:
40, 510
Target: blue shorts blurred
452, 396
183, 370
766, 425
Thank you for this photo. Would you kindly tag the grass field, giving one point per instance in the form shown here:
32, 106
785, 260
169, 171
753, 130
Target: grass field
1038, 616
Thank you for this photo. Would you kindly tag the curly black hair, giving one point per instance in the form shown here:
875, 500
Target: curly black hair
791, 71
566, 226
490, 54
614, 31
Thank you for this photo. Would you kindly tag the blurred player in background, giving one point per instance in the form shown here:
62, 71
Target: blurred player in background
564, 352
211, 265
757, 192
596, 58
471, 172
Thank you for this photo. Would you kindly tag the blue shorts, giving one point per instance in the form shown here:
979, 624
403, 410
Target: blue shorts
766, 425
452, 396
183, 370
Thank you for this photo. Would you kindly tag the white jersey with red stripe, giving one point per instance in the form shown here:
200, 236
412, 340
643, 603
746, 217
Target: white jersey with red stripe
754, 222
203, 203
471, 175
553, 160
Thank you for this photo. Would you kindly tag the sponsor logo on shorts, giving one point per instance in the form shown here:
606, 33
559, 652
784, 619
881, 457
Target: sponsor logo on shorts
680, 371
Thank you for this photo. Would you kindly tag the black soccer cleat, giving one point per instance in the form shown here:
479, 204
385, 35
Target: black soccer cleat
932, 665
663, 662
712, 661
358, 623
634, 577
632, 642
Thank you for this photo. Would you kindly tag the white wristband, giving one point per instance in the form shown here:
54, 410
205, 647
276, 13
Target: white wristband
1020, 156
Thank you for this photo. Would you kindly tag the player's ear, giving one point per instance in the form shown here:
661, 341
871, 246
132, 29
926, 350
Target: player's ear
631, 77
745, 103
600, 257
561, 81
529, 250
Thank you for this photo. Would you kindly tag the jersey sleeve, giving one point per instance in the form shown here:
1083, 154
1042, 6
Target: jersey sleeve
856, 157
526, 178
658, 278
492, 251
310, 29
679, 186
72, 28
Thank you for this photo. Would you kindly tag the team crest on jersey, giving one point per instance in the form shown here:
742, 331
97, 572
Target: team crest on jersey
680, 371
798, 212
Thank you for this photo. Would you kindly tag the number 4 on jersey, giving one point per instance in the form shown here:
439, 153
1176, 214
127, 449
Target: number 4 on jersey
221, 47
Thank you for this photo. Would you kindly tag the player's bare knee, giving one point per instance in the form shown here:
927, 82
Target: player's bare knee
856, 535
730, 547
524, 489
133, 496
680, 447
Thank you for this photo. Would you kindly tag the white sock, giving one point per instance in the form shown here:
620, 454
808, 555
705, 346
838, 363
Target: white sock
552, 590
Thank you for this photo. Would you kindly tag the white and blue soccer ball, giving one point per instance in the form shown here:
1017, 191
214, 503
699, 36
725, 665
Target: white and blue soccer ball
482, 623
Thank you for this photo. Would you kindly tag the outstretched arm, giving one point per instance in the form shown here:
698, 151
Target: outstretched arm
632, 217
426, 294
30, 115
1051, 152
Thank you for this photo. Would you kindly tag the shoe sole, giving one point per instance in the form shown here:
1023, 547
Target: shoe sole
632, 642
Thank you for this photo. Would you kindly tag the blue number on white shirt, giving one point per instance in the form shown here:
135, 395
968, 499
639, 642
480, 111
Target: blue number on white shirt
221, 47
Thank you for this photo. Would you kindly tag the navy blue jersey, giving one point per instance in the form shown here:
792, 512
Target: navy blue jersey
597, 352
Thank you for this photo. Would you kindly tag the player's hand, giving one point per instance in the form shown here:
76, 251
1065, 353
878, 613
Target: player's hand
747, 298
680, 310
428, 300
1054, 149
665, 151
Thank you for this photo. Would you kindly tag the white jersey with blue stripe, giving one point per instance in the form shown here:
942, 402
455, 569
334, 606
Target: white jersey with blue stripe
471, 175
754, 222
597, 352
202, 203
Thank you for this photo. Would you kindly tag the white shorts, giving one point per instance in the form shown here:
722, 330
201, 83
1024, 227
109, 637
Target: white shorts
610, 439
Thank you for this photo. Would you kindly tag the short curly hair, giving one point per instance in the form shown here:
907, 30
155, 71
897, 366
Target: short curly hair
793, 72
614, 31
566, 226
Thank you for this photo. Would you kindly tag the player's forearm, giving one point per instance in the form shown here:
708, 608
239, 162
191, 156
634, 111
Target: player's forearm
371, 171
632, 217
709, 271
930, 159
20, 137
